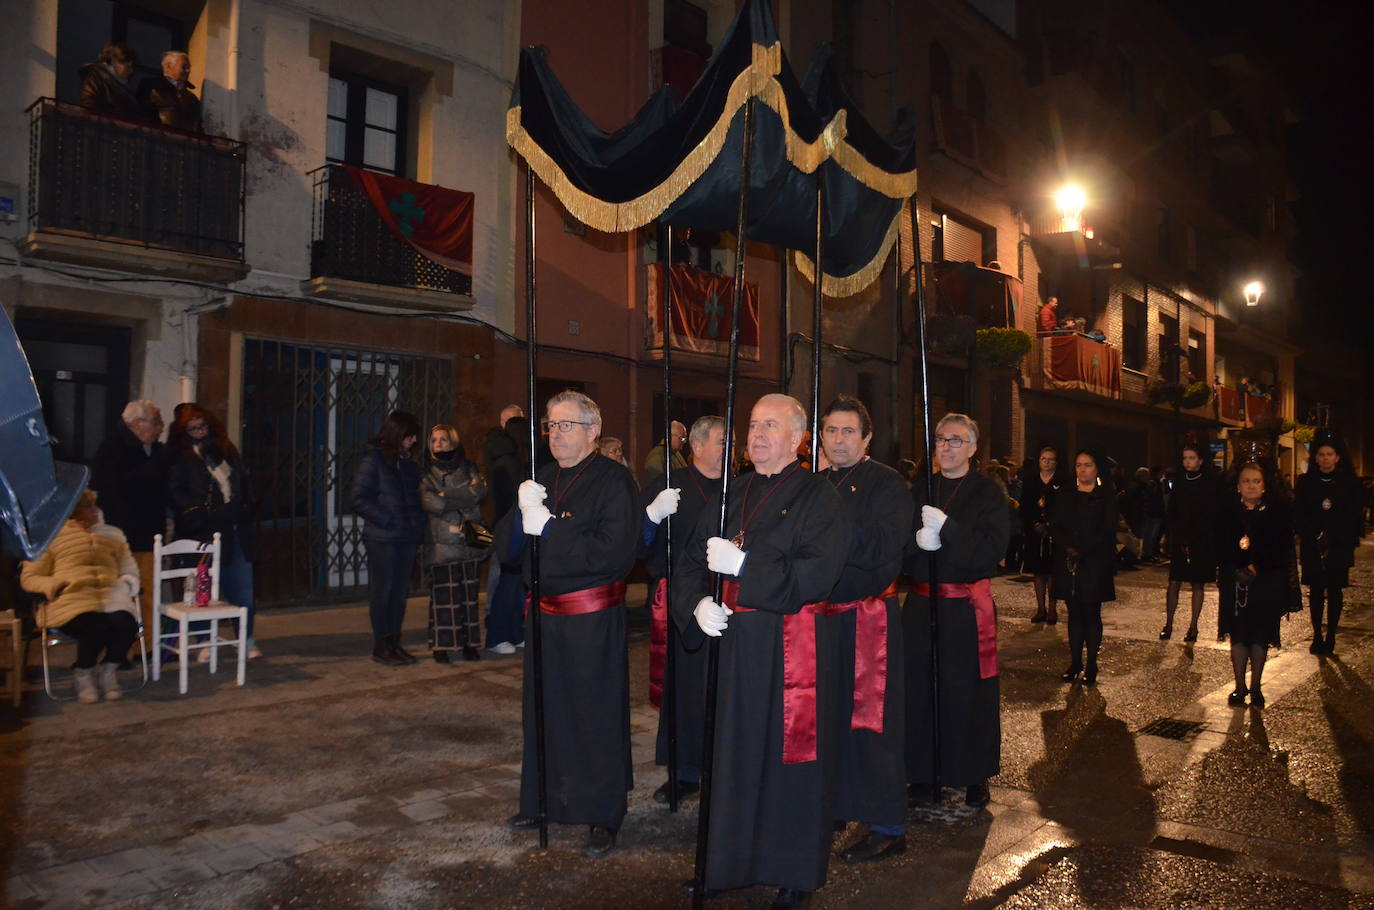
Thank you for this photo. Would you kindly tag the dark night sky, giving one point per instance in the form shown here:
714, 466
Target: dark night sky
1321, 50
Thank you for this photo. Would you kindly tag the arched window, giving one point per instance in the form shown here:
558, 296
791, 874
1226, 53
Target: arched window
941, 74
977, 96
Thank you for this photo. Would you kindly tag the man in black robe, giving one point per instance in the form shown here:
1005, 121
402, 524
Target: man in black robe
866, 615
585, 510
696, 488
963, 535
785, 543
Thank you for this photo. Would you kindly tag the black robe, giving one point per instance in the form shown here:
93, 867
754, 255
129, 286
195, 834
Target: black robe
688, 684
590, 542
1085, 522
972, 541
1037, 554
871, 780
1253, 619
1193, 508
770, 822
1330, 522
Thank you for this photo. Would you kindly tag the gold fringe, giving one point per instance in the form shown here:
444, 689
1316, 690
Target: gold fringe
832, 286
894, 186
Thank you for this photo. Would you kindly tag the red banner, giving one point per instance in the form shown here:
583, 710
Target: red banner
1078, 362
434, 221
701, 312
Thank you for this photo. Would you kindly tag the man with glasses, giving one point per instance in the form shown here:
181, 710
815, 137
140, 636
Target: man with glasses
963, 533
865, 614
653, 463
585, 510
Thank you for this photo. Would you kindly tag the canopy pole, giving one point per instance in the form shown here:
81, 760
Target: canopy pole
536, 636
818, 304
669, 691
713, 648
936, 787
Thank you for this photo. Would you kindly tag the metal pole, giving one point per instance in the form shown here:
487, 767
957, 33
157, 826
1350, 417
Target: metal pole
669, 691
817, 306
927, 430
536, 637
713, 648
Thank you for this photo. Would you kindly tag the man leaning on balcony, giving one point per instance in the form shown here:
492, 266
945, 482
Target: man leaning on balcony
168, 98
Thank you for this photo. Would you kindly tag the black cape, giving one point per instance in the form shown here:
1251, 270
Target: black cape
1192, 520
770, 822
971, 543
1250, 612
871, 778
1085, 522
1330, 523
590, 542
1037, 556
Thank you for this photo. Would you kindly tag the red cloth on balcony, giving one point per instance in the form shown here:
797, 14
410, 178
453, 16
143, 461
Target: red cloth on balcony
1228, 404
434, 220
701, 311
1077, 362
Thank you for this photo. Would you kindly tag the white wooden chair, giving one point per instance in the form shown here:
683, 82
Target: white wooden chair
185, 615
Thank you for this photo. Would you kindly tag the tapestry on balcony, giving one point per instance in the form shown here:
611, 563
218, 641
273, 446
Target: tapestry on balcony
701, 315
678, 162
433, 220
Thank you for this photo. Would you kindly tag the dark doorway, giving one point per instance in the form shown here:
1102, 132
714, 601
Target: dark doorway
82, 374
686, 410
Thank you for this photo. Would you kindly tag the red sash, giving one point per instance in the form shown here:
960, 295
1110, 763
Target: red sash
574, 603
798, 676
658, 642
870, 658
979, 596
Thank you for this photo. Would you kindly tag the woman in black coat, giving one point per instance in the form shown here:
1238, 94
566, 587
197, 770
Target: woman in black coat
1255, 548
1083, 524
1330, 524
1192, 518
386, 493
1040, 484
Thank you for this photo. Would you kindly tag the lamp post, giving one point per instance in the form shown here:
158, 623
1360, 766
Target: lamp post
1253, 291
1071, 200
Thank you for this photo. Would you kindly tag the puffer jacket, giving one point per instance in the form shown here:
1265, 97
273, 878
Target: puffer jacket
451, 493
82, 571
388, 498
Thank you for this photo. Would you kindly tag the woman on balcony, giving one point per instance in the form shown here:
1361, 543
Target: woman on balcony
451, 492
1040, 485
1330, 524
1083, 524
105, 86
1192, 513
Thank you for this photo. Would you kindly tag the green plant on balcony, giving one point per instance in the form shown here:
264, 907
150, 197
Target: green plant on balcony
1304, 433
1003, 347
1170, 393
1195, 395
1275, 426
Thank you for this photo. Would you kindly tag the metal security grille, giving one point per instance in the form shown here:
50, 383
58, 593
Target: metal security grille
1173, 728
308, 412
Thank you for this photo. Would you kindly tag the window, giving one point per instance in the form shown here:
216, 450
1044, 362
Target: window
1197, 355
964, 240
1133, 345
1168, 347
941, 74
977, 97
366, 124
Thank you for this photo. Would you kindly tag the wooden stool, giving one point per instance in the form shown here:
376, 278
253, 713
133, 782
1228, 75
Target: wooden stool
14, 676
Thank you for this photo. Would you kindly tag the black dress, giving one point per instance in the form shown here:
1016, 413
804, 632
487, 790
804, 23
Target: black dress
1086, 523
1262, 538
1037, 498
1192, 518
1329, 525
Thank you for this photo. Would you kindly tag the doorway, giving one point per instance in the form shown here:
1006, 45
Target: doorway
82, 374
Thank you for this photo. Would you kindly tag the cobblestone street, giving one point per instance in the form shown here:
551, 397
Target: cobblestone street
329, 781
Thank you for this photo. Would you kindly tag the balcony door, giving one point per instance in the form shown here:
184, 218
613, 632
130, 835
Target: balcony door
366, 124
82, 374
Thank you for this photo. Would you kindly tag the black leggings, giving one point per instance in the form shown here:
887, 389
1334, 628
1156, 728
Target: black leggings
1334, 599
113, 633
1085, 627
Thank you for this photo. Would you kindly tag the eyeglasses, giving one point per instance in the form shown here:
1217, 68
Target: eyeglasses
564, 426
196, 427
954, 442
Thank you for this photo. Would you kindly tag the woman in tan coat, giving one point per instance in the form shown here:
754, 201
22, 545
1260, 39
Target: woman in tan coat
88, 579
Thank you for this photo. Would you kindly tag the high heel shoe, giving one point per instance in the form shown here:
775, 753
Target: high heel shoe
1166, 633
1071, 673
1237, 698
1256, 699
1039, 616
1191, 636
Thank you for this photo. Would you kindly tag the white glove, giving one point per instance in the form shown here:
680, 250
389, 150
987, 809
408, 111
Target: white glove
723, 556
131, 582
928, 539
534, 518
711, 616
530, 493
932, 518
664, 504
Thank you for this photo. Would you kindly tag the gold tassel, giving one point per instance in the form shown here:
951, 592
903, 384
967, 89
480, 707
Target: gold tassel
848, 285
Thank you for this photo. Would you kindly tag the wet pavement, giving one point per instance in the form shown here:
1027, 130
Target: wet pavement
329, 781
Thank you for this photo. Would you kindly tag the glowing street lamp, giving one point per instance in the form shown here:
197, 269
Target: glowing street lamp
1071, 200
1253, 291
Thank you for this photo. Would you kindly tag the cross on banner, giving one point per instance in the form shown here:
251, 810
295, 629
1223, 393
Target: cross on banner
406, 207
701, 312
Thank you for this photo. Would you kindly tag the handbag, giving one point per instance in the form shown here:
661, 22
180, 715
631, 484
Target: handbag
476, 534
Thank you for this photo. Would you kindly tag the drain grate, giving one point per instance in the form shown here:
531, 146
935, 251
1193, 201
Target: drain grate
1173, 728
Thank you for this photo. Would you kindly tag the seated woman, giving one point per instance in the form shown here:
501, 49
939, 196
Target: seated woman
89, 580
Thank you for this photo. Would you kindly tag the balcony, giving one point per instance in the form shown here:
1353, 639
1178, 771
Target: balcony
1243, 408
1073, 362
114, 193
356, 255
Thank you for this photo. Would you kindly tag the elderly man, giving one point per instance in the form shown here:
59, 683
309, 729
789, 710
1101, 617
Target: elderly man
866, 615
963, 534
130, 474
585, 510
653, 462
697, 490
785, 543
168, 98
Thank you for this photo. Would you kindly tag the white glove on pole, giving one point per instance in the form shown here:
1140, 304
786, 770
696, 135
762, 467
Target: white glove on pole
664, 504
534, 518
932, 518
530, 493
711, 617
928, 539
723, 557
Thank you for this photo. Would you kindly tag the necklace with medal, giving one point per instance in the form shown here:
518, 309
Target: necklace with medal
852, 468
557, 482
1044, 485
1248, 517
1187, 476
746, 515
1326, 502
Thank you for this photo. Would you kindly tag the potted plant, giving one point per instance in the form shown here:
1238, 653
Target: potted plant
1002, 347
1194, 395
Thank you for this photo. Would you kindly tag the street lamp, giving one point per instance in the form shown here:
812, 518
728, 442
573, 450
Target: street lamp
1071, 199
1253, 291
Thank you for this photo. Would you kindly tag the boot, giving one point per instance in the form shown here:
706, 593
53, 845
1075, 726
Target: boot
86, 692
109, 681
381, 653
394, 642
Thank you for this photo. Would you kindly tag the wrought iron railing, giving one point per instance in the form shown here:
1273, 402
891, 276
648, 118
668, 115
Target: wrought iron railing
349, 240
106, 178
